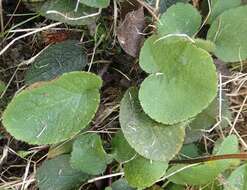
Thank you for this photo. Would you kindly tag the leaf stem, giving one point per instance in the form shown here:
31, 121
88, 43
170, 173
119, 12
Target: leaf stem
241, 156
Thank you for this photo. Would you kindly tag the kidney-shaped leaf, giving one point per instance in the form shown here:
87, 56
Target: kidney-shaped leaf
228, 32
96, 3
238, 179
66, 11
150, 139
208, 171
57, 174
142, 173
88, 154
51, 112
180, 18
184, 82
56, 60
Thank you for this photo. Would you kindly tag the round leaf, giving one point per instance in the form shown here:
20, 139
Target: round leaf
150, 139
196, 175
51, 112
65, 11
142, 173
184, 84
57, 174
228, 32
56, 60
180, 18
96, 3
88, 154
121, 150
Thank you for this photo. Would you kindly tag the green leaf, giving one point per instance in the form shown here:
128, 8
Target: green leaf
121, 184
228, 32
219, 6
57, 174
121, 150
56, 60
202, 121
207, 118
238, 179
88, 154
150, 139
179, 19
165, 4
2, 87
142, 173
65, 11
96, 3
196, 175
51, 112
167, 95
205, 44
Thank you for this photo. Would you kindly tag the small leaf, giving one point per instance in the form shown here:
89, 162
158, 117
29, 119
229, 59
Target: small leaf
164, 4
56, 60
205, 44
219, 6
57, 174
207, 118
150, 139
196, 175
228, 32
129, 32
180, 18
166, 95
96, 3
238, 179
65, 11
51, 112
121, 150
2, 87
59, 149
121, 184
88, 154
142, 173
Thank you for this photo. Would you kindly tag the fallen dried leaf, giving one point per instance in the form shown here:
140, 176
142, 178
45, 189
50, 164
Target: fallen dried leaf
129, 32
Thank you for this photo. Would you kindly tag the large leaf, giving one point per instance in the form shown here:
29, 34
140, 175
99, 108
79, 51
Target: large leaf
56, 60
150, 139
51, 112
65, 11
142, 173
238, 179
179, 19
121, 150
208, 171
178, 90
228, 32
219, 6
96, 3
88, 154
57, 174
